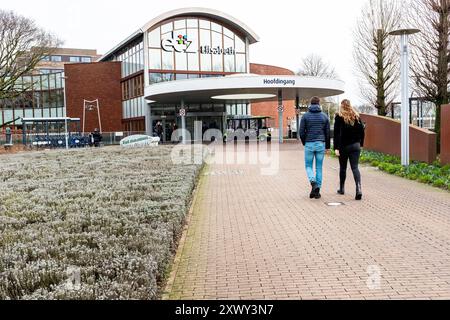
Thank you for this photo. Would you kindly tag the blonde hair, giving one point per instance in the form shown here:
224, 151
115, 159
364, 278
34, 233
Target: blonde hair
348, 113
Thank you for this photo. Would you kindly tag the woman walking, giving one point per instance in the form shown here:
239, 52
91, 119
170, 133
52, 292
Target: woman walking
348, 140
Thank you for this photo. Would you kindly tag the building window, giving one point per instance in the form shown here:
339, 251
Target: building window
86, 59
74, 59
56, 58
133, 88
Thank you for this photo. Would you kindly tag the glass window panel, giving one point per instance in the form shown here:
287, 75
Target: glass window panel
180, 24
46, 113
154, 38
155, 59
193, 62
217, 58
194, 76
155, 78
205, 24
182, 76
229, 63
86, 59
240, 63
216, 27
166, 28
228, 33
217, 62
192, 23
205, 41
56, 58
228, 43
206, 62
205, 38
192, 35
74, 59
240, 45
168, 77
167, 60
8, 115
181, 61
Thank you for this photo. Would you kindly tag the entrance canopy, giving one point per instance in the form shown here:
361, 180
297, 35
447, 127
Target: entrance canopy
243, 88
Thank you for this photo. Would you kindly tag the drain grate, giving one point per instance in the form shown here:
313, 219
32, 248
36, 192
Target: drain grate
335, 204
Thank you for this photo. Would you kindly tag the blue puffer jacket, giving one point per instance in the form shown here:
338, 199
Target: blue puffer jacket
315, 127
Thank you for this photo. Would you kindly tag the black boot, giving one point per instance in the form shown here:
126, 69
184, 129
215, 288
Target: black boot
315, 190
359, 194
341, 190
318, 195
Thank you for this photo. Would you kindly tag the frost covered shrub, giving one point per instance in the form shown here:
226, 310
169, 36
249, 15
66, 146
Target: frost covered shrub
112, 214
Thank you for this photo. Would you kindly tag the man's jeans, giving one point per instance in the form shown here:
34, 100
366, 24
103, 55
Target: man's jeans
314, 150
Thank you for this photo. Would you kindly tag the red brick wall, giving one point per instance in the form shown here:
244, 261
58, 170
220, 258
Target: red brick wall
384, 135
270, 109
91, 81
445, 134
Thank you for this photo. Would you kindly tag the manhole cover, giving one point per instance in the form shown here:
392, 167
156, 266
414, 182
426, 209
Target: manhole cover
335, 204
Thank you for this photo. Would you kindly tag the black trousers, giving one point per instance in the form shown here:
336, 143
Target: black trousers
351, 152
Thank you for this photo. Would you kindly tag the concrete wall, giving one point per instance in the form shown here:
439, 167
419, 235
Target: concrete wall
270, 109
445, 134
384, 135
93, 81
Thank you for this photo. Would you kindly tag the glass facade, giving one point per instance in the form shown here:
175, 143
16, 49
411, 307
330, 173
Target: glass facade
132, 58
196, 45
44, 98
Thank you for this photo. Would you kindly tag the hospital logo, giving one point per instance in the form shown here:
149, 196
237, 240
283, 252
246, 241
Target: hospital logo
179, 43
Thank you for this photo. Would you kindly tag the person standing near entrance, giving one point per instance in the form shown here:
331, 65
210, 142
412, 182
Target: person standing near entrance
348, 140
315, 136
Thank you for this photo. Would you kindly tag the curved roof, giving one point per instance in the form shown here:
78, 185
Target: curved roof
208, 13
198, 12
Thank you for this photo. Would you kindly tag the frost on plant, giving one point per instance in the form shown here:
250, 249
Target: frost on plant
90, 224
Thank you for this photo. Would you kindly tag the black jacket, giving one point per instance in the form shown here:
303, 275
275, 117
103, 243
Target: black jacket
345, 135
315, 127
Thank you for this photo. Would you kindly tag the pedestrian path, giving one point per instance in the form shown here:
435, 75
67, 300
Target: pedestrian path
260, 237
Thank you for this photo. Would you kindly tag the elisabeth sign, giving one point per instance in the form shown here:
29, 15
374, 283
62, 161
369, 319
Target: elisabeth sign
139, 141
181, 43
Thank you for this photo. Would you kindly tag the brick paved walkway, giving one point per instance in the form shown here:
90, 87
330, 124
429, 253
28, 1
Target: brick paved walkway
260, 237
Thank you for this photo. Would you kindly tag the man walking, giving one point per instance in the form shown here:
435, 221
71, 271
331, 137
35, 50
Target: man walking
315, 136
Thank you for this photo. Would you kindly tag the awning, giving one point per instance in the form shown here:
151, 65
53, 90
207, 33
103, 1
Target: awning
243, 88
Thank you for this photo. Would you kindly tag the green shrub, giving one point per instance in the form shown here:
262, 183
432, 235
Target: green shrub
435, 174
439, 183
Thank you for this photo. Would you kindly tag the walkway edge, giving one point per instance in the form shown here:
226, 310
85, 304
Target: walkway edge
176, 262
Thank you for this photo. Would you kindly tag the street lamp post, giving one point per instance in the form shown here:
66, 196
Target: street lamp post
404, 52
64, 78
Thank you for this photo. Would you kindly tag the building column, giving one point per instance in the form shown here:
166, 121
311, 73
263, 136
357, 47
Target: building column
148, 120
280, 116
183, 122
297, 116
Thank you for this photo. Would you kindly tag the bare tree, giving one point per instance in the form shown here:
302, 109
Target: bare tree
376, 53
22, 46
314, 66
430, 52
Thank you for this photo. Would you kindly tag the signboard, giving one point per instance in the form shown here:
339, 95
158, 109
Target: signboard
181, 43
139, 141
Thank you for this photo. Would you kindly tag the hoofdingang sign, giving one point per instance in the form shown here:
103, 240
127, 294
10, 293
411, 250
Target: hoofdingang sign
139, 141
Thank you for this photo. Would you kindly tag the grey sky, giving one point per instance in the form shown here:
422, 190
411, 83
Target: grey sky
289, 30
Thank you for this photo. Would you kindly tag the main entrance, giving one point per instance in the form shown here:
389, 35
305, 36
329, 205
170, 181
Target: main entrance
166, 118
